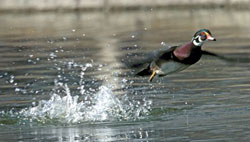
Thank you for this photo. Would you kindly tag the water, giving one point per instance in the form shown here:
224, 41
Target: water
62, 80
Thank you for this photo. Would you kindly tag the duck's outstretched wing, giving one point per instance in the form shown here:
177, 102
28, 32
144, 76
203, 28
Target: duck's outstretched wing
213, 54
140, 65
228, 59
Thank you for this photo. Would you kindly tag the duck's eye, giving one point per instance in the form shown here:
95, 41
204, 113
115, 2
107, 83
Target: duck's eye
203, 36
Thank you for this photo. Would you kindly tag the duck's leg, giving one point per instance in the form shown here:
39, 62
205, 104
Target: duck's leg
152, 76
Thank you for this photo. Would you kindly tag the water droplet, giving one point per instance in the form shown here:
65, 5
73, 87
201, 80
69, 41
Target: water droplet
88, 65
52, 55
50, 41
17, 89
11, 81
64, 38
124, 80
163, 43
33, 103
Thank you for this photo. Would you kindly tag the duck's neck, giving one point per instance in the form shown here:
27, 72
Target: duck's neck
184, 51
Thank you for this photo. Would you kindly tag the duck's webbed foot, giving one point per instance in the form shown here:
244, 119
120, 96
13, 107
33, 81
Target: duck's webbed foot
152, 76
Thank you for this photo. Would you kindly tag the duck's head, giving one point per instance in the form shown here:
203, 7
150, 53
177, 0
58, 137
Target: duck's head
201, 36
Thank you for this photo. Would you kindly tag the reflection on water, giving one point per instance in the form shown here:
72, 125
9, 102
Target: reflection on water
61, 78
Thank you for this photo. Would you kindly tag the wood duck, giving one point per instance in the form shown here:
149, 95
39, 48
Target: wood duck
175, 58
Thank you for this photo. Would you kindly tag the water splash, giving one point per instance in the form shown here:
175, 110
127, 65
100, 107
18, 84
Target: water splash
104, 106
86, 105
77, 98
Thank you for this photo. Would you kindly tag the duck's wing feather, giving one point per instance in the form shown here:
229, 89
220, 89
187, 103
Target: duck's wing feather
149, 57
140, 64
228, 59
213, 54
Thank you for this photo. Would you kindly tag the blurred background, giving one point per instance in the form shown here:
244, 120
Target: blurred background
66, 5
62, 76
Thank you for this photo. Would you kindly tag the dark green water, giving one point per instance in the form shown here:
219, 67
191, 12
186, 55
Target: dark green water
61, 78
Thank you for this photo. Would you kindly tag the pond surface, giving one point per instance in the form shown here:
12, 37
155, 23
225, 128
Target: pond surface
62, 79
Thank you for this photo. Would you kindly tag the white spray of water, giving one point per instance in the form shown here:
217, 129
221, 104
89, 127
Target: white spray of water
64, 107
68, 109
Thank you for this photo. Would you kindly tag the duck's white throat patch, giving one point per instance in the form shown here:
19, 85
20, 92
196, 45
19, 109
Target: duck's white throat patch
197, 41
